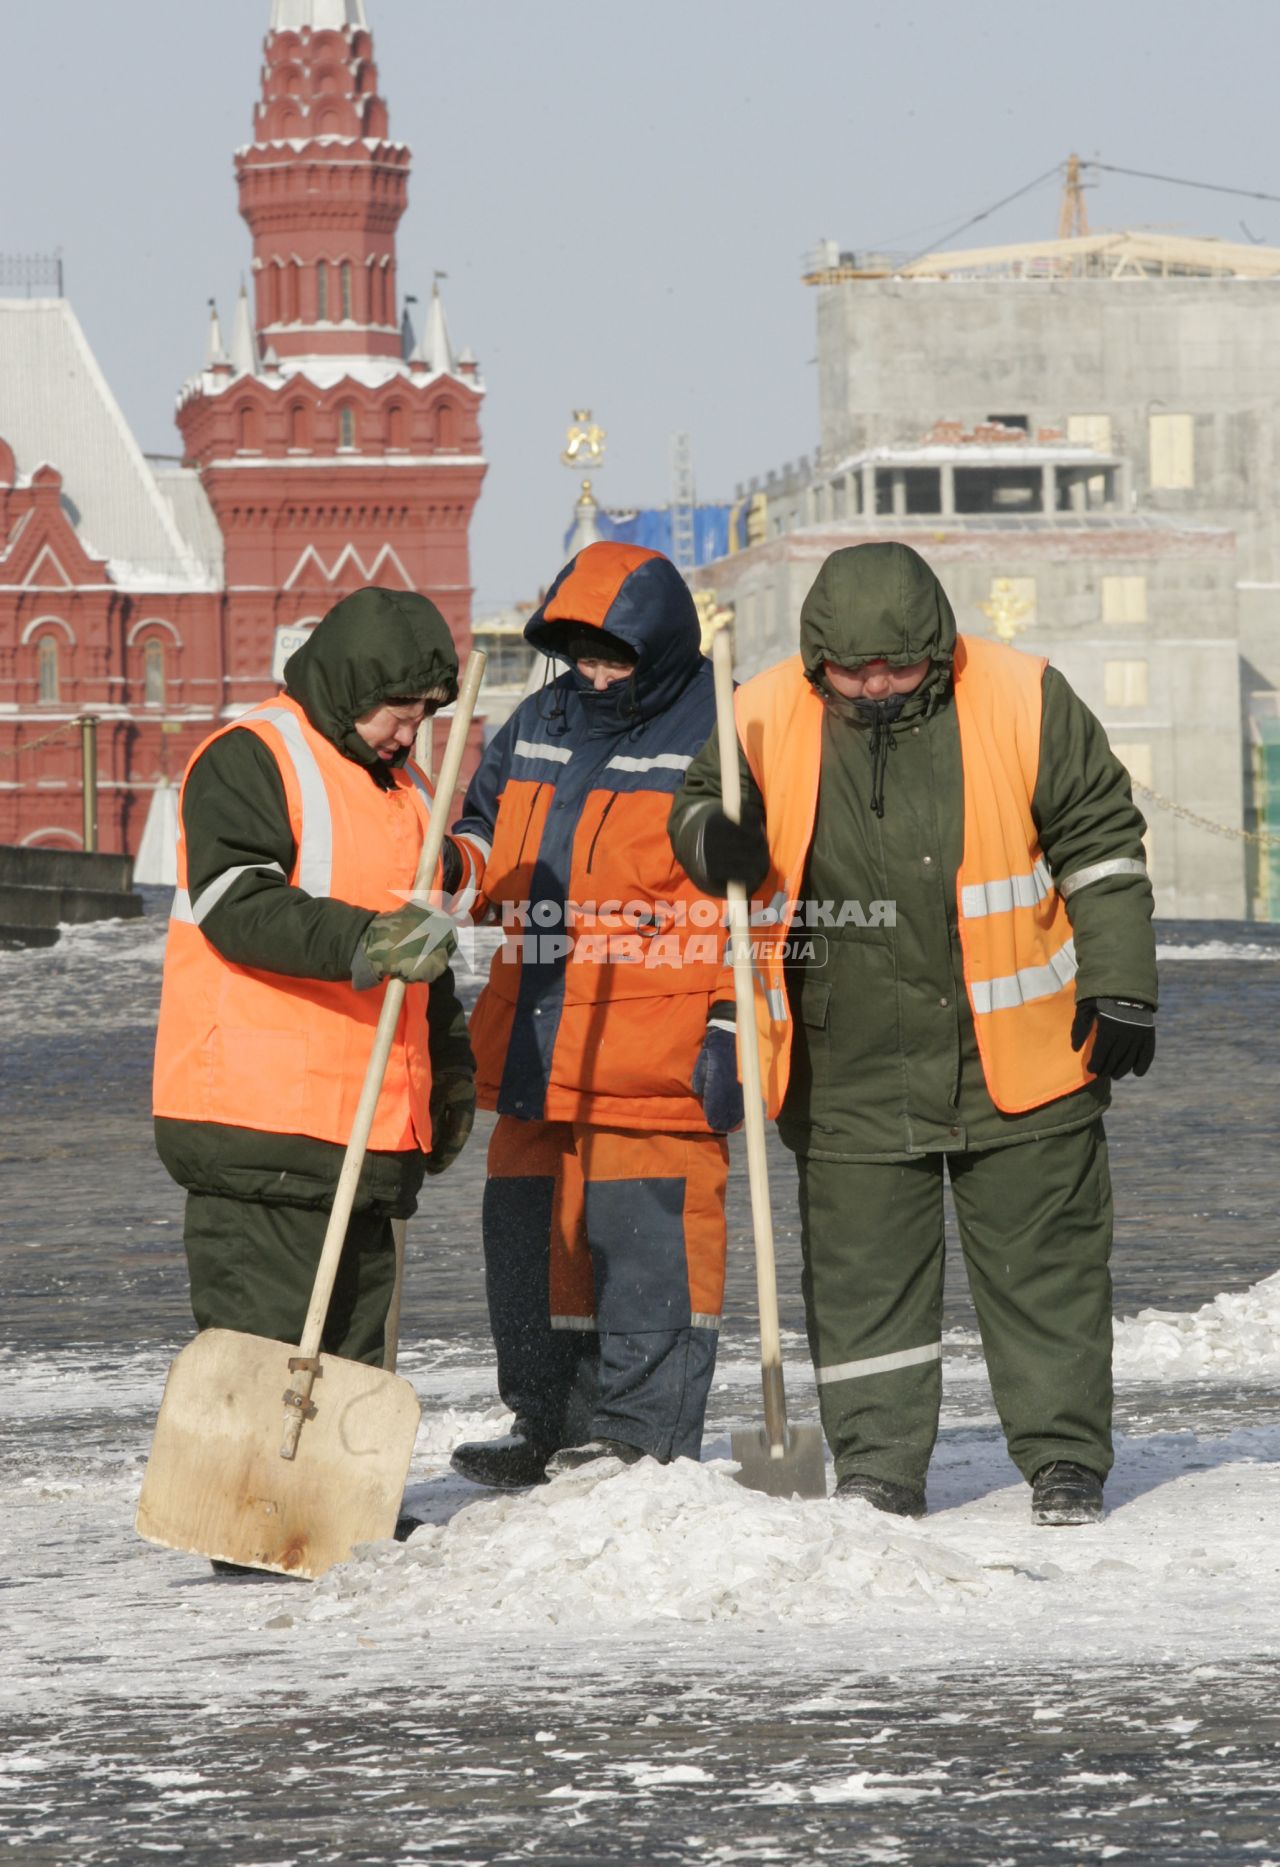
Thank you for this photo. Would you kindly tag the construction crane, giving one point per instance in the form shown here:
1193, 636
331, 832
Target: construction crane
1073, 221
684, 553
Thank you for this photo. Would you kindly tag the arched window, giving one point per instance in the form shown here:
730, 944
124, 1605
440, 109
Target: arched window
48, 672
299, 426
322, 292
153, 674
348, 309
397, 436
346, 426
289, 312
448, 425
250, 431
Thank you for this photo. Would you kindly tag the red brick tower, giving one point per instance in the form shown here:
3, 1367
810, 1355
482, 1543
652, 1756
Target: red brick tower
331, 457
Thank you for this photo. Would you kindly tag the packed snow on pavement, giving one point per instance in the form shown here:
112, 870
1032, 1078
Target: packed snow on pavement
644, 1664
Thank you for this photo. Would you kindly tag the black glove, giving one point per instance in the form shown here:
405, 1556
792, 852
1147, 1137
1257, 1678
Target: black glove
453, 1074
732, 852
453, 1116
1125, 1038
715, 1074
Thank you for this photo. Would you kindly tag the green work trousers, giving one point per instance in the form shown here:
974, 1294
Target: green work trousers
1035, 1227
253, 1265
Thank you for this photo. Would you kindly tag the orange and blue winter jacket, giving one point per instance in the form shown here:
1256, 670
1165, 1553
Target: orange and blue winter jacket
597, 1002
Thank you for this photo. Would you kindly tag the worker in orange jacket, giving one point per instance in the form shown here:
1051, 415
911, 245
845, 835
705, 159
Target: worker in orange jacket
301, 829
604, 1038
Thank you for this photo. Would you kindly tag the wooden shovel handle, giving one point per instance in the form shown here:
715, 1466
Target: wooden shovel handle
392, 1004
775, 1404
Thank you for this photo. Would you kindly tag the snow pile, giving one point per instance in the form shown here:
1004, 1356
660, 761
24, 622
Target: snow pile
443, 1428
1234, 1334
644, 1545
105, 974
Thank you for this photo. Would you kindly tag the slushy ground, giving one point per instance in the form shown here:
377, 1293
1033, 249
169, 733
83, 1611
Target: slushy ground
645, 1665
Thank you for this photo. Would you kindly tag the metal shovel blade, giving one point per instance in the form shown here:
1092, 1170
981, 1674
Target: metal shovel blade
217, 1486
796, 1468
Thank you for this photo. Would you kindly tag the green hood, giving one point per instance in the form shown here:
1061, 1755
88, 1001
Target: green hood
876, 601
374, 645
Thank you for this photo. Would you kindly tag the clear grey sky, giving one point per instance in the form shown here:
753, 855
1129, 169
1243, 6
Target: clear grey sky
622, 196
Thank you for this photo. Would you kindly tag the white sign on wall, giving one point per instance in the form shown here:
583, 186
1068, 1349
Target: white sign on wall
287, 639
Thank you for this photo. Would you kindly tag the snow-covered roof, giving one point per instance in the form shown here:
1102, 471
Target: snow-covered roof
56, 406
183, 491
323, 373
320, 15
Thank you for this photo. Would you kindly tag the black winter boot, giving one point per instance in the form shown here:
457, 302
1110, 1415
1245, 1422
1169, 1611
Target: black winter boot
898, 1500
511, 1463
572, 1458
1063, 1492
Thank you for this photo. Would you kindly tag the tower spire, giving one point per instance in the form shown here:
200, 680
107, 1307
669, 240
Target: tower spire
216, 352
323, 188
436, 345
244, 346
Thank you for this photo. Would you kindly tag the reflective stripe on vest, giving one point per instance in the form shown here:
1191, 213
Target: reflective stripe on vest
1028, 983
315, 852
1014, 891
1015, 933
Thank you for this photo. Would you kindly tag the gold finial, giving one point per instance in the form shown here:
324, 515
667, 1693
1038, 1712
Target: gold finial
584, 441
1009, 613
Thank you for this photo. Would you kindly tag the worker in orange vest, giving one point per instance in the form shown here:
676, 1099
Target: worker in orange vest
301, 827
956, 960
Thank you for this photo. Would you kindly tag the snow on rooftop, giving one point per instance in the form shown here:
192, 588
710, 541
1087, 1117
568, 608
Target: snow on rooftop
325, 373
183, 490
56, 406
319, 15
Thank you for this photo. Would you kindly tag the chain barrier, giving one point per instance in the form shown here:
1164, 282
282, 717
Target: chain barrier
33, 745
1262, 839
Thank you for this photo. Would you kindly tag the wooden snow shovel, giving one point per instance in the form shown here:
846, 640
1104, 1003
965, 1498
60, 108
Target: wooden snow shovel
230, 1475
782, 1460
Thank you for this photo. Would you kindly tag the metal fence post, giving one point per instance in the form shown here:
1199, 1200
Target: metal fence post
89, 778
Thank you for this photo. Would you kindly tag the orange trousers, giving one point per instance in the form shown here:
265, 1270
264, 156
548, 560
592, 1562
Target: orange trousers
604, 1265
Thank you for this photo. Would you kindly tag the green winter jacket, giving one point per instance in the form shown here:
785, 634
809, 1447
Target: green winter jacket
885, 1060
373, 646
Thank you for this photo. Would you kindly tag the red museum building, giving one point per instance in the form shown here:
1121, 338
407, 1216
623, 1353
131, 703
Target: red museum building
324, 447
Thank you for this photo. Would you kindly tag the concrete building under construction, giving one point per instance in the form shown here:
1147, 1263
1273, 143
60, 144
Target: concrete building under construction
1080, 435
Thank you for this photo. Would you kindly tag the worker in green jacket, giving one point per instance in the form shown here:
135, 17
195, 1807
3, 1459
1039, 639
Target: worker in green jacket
301, 828
970, 964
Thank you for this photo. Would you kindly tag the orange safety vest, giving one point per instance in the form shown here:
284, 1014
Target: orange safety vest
258, 1049
1015, 938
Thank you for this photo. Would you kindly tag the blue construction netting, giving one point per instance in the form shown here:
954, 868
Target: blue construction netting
650, 527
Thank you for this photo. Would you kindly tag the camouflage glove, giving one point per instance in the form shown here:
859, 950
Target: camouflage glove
412, 943
453, 1115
